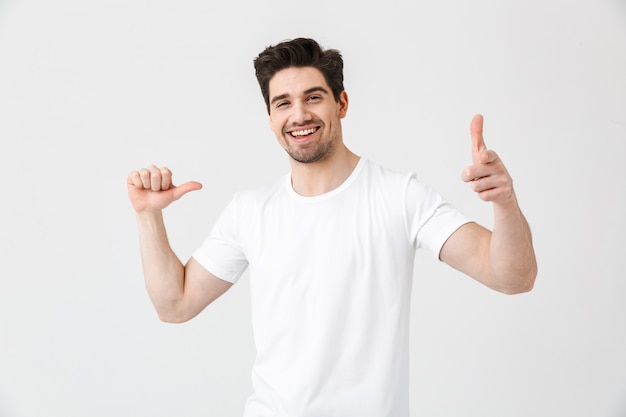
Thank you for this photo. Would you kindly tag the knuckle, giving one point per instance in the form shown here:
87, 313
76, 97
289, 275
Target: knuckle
165, 171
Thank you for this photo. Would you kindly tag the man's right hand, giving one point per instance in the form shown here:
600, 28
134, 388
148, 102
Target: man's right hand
151, 189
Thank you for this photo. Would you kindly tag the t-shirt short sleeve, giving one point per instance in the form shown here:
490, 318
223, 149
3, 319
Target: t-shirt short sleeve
430, 219
221, 253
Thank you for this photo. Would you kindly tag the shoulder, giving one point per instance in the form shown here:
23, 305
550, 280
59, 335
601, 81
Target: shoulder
404, 188
393, 181
261, 192
377, 172
246, 205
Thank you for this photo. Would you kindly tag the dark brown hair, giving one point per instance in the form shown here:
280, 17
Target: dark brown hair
300, 52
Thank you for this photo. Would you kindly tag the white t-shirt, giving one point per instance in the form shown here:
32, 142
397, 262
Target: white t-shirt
330, 280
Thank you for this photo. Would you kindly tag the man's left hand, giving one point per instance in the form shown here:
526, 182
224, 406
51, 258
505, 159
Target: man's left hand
487, 174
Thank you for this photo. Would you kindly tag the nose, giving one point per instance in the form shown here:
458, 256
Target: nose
300, 114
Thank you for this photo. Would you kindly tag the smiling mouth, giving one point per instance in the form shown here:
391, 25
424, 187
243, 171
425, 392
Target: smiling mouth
303, 132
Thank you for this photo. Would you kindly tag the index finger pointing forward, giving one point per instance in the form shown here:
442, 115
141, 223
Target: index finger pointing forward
478, 142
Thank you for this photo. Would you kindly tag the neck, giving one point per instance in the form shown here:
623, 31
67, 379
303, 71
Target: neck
320, 177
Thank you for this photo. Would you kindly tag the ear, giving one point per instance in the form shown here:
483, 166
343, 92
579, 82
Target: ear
343, 104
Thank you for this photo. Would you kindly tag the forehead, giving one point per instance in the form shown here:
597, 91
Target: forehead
294, 80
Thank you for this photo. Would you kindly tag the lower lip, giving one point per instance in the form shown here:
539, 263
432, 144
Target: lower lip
301, 138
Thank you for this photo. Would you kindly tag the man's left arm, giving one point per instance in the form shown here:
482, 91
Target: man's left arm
502, 259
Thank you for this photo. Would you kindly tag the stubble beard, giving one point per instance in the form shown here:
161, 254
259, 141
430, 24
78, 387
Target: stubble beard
320, 152
317, 152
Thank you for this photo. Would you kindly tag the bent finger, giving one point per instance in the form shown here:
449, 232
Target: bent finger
155, 178
134, 179
166, 178
496, 194
145, 177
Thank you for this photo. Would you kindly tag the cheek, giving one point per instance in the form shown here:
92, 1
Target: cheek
276, 125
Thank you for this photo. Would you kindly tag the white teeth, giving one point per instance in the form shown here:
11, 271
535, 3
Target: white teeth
303, 132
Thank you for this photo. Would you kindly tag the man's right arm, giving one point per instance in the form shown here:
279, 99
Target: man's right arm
179, 292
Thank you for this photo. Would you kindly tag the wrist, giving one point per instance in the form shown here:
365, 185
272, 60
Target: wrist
149, 216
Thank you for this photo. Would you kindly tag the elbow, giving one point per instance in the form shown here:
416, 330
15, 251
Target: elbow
520, 289
172, 319
172, 316
524, 282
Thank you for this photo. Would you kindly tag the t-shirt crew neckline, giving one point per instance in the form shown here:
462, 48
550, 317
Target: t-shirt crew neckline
353, 175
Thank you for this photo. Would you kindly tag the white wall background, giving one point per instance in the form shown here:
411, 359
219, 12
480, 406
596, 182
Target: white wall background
90, 90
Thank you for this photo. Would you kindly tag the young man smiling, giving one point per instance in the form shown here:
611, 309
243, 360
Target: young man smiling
306, 120
330, 247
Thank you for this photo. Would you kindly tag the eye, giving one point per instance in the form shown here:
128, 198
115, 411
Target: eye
315, 98
282, 104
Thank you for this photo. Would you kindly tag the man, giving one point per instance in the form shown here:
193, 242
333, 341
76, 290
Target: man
330, 248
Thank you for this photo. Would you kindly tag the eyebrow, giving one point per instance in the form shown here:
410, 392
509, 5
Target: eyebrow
309, 91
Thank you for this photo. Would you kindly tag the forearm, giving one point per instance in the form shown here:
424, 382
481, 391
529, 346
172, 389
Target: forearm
164, 273
511, 253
